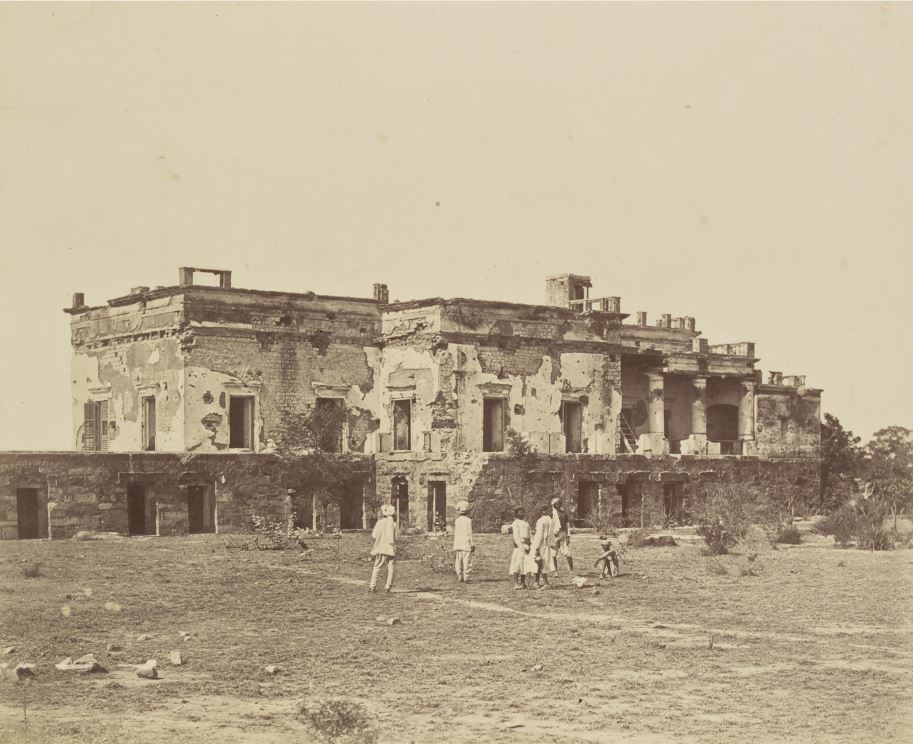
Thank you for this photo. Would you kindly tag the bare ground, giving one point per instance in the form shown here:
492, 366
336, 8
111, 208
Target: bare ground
817, 647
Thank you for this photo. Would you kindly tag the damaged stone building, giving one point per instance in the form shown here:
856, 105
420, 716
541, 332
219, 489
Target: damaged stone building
188, 404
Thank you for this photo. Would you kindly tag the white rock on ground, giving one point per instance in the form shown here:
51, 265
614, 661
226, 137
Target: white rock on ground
147, 670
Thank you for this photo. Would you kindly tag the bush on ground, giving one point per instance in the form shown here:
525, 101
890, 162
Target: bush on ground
789, 534
841, 524
863, 522
32, 570
337, 722
730, 511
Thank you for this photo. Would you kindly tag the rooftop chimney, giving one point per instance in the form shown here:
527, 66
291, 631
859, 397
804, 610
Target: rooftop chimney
641, 318
381, 294
666, 320
79, 300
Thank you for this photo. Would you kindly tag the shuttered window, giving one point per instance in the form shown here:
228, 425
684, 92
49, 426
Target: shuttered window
95, 425
89, 418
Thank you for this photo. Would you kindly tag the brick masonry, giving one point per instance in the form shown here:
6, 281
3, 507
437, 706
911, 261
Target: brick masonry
89, 490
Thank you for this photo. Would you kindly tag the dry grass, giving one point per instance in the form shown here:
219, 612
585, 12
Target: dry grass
806, 650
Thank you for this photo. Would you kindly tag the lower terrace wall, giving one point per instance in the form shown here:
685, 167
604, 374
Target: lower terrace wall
96, 491
626, 486
170, 494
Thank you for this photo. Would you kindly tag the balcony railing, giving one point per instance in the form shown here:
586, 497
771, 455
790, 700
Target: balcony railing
745, 349
601, 304
731, 447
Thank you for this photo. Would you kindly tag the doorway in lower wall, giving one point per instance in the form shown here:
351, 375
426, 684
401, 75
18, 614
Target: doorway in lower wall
140, 510
201, 510
27, 515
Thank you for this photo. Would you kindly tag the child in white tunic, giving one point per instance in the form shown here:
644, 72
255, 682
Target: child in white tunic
543, 547
522, 563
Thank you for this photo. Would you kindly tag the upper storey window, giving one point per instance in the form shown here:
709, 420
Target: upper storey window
493, 424
241, 422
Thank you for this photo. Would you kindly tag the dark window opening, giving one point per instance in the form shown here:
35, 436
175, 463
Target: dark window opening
401, 500
587, 500
631, 511
201, 516
437, 505
27, 513
149, 424
351, 509
493, 424
140, 511
572, 425
673, 503
402, 424
330, 415
303, 510
241, 421
722, 422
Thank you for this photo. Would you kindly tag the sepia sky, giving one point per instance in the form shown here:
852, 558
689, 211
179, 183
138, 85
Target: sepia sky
749, 165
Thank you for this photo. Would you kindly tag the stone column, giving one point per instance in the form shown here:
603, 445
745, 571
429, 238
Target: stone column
746, 417
655, 441
697, 442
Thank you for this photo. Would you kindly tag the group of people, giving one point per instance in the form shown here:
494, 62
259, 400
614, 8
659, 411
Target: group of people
535, 554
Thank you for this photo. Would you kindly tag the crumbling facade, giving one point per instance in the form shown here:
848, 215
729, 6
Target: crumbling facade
434, 399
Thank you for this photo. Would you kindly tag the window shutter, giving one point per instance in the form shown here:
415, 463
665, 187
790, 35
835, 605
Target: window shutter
88, 426
103, 425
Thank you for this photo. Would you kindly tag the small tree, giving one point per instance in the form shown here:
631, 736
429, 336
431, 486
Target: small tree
841, 463
889, 470
728, 512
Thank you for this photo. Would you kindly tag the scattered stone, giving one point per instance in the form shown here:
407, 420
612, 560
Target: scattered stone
536, 668
143, 637
87, 591
113, 647
271, 669
381, 618
147, 670
8, 650
394, 621
66, 610
84, 664
176, 658
112, 606
24, 671
580, 582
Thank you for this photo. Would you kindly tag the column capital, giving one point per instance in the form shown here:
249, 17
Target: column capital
655, 375
699, 381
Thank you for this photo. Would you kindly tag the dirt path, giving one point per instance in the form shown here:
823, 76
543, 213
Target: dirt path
681, 635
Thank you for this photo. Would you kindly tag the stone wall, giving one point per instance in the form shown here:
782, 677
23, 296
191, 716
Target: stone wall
496, 483
91, 490
788, 421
